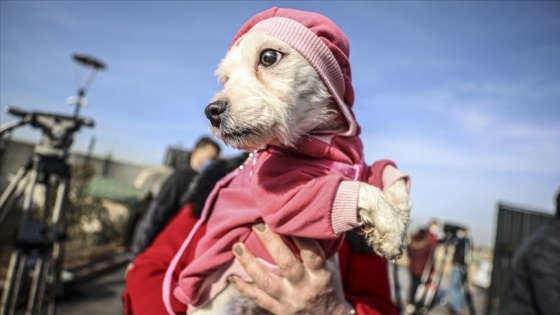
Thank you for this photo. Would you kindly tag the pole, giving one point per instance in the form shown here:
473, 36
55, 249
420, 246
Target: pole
81, 94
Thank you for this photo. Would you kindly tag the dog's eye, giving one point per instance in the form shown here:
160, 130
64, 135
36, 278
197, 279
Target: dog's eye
270, 57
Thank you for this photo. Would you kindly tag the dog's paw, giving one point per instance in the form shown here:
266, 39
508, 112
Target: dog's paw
384, 223
397, 195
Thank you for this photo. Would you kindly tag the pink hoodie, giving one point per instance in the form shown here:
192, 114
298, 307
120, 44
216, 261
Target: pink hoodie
309, 191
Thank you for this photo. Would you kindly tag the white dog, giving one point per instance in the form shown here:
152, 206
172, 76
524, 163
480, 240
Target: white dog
287, 95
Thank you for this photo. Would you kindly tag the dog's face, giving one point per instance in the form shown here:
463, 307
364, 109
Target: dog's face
270, 95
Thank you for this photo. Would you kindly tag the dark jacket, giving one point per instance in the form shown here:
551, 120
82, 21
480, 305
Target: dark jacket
183, 186
162, 209
535, 285
463, 251
203, 184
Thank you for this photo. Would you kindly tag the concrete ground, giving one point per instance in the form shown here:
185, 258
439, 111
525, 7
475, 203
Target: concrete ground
101, 294
95, 290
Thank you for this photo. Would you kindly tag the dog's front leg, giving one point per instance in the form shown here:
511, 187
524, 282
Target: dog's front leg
385, 217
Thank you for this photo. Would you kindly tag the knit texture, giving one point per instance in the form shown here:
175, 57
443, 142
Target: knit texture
321, 42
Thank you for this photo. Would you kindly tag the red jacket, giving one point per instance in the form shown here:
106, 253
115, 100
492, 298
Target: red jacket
364, 275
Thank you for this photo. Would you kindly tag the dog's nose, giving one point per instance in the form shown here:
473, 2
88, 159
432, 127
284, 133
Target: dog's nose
214, 110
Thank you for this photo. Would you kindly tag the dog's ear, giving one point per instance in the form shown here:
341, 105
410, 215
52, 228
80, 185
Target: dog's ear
336, 121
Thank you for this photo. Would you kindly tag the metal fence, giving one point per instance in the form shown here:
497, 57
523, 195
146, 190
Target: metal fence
513, 225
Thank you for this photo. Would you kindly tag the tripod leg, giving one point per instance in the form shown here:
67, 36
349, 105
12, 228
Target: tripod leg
11, 195
42, 287
425, 280
397, 285
40, 272
18, 259
7, 290
7, 200
436, 280
36, 292
12, 284
58, 231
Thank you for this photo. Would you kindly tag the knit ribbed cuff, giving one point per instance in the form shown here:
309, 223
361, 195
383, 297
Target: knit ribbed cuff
344, 216
392, 174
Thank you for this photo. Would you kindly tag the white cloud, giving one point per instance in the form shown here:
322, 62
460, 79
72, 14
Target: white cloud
535, 157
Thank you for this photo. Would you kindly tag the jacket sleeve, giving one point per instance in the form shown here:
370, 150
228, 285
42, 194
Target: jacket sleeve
535, 281
366, 282
143, 290
161, 210
287, 196
544, 266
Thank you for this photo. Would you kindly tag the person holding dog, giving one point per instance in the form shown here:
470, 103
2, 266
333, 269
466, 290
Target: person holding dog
305, 284
331, 287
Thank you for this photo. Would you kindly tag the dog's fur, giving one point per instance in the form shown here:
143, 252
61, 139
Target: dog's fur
271, 105
277, 103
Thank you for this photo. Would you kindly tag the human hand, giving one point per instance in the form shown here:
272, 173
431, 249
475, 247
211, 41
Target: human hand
309, 286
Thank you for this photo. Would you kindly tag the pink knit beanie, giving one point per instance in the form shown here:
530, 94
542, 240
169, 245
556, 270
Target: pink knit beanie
319, 41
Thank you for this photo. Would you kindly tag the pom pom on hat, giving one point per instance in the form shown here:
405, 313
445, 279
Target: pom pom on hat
321, 42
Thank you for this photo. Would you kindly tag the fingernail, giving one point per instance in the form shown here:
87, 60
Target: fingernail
237, 250
260, 227
231, 279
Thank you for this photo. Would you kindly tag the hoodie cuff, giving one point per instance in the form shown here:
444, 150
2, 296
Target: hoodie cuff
344, 215
392, 174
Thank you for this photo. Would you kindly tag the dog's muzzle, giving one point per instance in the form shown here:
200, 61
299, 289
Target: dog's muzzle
214, 110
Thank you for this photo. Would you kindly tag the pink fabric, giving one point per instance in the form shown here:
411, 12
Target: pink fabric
167, 280
292, 193
391, 175
219, 280
342, 218
321, 42
308, 192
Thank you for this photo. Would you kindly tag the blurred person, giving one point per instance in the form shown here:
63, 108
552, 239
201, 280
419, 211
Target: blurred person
462, 258
168, 201
326, 287
420, 252
535, 284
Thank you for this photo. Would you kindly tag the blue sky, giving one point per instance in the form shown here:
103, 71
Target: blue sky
464, 96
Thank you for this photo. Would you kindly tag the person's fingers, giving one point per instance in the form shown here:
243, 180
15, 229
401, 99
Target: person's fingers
312, 255
264, 279
257, 295
292, 269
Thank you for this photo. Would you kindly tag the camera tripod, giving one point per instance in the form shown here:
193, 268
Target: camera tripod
42, 232
41, 235
433, 273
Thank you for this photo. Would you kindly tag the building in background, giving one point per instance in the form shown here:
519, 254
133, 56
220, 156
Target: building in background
128, 184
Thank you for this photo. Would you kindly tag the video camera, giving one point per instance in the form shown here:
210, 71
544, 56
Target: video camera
453, 228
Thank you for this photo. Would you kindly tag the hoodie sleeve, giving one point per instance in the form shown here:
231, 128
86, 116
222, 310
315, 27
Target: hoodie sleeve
381, 174
298, 201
